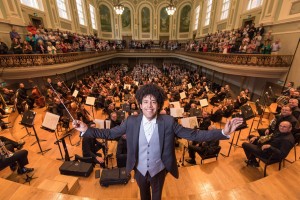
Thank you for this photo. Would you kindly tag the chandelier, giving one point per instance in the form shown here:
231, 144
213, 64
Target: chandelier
171, 8
119, 8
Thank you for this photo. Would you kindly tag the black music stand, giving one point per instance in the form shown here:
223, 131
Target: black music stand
28, 121
50, 124
91, 102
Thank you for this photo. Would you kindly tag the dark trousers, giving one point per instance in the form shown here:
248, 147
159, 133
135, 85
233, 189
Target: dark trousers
252, 151
20, 157
156, 183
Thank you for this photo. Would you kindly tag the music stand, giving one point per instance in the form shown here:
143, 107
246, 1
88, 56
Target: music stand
50, 124
28, 121
91, 102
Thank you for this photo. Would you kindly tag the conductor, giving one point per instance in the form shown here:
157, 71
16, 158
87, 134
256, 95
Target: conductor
151, 138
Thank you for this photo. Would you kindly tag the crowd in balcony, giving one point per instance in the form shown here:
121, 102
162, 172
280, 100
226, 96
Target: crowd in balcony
248, 39
49, 41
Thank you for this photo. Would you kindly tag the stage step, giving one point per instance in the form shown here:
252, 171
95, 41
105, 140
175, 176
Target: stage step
72, 182
53, 186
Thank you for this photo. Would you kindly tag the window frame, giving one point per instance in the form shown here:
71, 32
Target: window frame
208, 12
225, 9
66, 7
93, 16
81, 12
196, 17
252, 4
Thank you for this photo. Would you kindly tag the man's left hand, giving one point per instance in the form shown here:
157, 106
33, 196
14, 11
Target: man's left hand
231, 125
266, 146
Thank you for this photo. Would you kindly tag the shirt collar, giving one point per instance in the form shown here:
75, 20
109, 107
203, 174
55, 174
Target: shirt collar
145, 120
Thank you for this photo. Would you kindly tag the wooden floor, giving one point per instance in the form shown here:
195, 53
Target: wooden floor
227, 178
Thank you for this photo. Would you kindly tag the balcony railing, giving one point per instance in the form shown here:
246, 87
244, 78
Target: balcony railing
265, 60
28, 60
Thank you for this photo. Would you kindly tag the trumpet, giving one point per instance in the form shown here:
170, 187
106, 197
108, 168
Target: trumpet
4, 152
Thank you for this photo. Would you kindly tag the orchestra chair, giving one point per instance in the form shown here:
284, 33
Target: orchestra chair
207, 155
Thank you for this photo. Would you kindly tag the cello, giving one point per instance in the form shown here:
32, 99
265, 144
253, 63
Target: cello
39, 99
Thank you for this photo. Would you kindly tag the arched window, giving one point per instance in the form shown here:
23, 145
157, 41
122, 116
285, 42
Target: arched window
208, 12
225, 9
37, 4
197, 14
93, 16
62, 9
80, 10
254, 4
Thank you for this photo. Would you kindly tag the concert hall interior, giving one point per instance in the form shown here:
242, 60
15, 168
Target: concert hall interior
68, 60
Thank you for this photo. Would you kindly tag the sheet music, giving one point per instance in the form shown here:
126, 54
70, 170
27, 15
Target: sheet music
107, 124
182, 95
75, 93
50, 121
189, 122
128, 86
99, 123
190, 86
176, 112
176, 104
203, 102
90, 101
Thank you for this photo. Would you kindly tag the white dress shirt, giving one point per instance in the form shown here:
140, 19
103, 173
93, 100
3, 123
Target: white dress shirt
149, 127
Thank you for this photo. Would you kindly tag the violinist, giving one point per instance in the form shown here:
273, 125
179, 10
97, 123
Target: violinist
61, 89
240, 100
83, 115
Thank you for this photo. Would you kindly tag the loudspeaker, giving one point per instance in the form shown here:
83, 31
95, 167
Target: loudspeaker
247, 112
28, 118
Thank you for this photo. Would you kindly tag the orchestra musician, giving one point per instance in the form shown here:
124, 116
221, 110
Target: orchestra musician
83, 115
8, 96
23, 99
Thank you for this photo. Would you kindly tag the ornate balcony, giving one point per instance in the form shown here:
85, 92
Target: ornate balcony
33, 65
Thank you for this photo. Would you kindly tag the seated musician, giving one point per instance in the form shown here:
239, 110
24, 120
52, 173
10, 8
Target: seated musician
294, 104
228, 108
121, 154
133, 108
8, 96
114, 121
279, 144
285, 115
13, 159
286, 90
194, 111
202, 147
90, 148
240, 100
220, 96
83, 115
22, 99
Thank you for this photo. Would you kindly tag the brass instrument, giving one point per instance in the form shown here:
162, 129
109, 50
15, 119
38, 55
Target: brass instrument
282, 100
7, 108
4, 152
264, 139
273, 124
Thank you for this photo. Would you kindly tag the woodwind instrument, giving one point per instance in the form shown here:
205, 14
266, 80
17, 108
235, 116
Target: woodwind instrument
4, 152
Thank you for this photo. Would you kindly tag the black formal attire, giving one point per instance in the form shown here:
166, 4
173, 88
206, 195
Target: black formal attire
168, 128
121, 154
19, 157
281, 144
90, 148
279, 119
296, 112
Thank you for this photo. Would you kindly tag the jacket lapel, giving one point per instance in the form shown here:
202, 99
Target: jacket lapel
161, 132
136, 133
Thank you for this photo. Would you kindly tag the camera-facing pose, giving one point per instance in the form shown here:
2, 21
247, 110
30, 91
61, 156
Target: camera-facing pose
150, 140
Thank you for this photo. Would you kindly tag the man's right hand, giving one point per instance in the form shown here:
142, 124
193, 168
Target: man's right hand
267, 132
100, 159
79, 126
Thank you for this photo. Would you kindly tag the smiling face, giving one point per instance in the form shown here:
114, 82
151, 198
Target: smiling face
149, 107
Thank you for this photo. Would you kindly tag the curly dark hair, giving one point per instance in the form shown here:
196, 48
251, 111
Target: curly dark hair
153, 90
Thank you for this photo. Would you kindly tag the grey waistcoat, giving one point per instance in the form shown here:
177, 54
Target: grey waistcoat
149, 157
